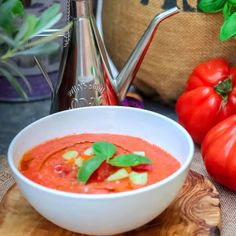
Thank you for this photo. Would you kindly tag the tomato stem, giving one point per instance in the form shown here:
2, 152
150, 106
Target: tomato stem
224, 88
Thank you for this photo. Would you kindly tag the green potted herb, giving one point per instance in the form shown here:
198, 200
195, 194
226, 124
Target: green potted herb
228, 7
18, 37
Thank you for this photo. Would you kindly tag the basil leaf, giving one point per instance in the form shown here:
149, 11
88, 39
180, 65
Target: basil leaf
88, 168
105, 149
211, 5
129, 160
229, 28
232, 2
227, 11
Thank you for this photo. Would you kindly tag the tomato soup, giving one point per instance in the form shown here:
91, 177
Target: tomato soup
97, 163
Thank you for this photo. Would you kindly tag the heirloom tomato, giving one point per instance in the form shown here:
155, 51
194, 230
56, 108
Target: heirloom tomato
219, 152
209, 97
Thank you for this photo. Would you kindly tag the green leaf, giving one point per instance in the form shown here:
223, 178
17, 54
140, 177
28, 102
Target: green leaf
49, 17
33, 25
5, 12
232, 2
18, 9
8, 10
105, 149
228, 10
51, 37
211, 5
228, 29
8, 40
43, 49
88, 168
129, 160
27, 28
11, 67
13, 81
48, 25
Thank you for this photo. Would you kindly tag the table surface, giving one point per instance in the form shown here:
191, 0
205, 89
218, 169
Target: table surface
16, 116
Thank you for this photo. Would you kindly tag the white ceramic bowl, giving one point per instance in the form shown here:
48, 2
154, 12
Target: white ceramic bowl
104, 214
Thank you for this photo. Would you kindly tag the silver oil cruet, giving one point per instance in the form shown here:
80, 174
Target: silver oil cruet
84, 76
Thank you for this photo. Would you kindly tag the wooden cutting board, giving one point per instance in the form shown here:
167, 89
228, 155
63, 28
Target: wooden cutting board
196, 211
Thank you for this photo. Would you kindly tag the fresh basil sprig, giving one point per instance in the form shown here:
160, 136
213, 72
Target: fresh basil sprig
228, 7
89, 167
228, 29
126, 160
211, 5
104, 151
227, 11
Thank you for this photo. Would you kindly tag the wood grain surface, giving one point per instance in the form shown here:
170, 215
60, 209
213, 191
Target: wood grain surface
196, 211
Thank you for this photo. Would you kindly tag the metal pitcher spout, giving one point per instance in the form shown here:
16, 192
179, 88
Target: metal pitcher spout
131, 67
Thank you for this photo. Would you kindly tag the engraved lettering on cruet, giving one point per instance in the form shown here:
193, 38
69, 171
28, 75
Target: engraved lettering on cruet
94, 93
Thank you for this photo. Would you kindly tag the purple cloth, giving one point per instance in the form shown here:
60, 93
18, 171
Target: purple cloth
39, 86
132, 102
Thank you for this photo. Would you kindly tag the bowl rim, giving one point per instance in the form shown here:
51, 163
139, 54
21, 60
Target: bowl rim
182, 168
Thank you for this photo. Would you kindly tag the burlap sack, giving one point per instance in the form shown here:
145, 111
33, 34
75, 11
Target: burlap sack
181, 42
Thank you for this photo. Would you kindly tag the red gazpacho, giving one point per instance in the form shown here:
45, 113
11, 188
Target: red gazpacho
97, 163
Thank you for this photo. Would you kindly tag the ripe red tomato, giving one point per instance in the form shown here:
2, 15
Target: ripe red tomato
209, 97
142, 167
102, 172
219, 152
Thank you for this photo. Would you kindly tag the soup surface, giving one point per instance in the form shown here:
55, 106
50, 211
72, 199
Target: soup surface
80, 163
